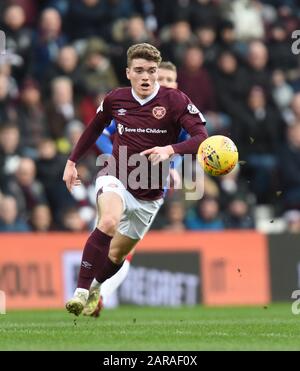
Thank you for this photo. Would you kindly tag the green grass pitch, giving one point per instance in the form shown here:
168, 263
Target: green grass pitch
153, 329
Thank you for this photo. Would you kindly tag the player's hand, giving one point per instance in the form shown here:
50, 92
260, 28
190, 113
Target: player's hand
158, 154
70, 176
175, 178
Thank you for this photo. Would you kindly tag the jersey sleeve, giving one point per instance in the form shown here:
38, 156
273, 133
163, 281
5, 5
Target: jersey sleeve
191, 119
94, 129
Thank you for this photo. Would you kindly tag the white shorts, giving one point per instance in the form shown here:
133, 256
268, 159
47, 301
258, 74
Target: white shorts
138, 215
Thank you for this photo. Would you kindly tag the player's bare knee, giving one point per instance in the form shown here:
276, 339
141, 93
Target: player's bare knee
108, 224
116, 257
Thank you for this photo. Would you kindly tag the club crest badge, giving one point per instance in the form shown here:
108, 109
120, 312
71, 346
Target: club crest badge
192, 109
159, 112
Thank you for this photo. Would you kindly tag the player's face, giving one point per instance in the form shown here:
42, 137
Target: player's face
142, 74
167, 78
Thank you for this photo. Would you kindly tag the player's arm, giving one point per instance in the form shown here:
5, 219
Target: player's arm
192, 120
86, 140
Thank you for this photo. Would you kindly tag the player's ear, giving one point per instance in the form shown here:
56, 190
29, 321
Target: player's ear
127, 73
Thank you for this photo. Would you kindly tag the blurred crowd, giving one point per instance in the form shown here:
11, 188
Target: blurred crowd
235, 61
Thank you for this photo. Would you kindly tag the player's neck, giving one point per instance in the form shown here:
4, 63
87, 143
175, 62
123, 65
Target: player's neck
145, 100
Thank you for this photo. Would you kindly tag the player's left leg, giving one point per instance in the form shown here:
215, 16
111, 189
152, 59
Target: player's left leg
111, 285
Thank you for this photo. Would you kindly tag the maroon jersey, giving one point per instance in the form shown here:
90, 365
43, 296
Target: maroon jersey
143, 124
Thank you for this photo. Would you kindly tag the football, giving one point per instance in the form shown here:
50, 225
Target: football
217, 155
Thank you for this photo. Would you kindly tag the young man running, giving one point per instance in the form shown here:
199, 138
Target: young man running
167, 76
149, 119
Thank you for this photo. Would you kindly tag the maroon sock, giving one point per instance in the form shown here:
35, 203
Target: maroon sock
94, 257
109, 269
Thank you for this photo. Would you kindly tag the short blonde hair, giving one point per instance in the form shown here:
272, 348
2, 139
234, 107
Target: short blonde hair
143, 51
168, 66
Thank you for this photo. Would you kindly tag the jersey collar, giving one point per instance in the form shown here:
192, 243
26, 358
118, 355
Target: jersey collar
146, 100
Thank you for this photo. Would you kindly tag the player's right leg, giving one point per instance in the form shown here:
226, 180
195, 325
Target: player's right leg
130, 231
95, 254
119, 248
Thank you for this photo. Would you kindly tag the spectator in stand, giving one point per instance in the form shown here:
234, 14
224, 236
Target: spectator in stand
18, 37
62, 6
282, 92
247, 19
193, 75
180, 38
126, 33
261, 134
50, 167
279, 46
31, 9
7, 104
205, 216
47, 41
206, 38
66, 64
96, 69
166, 14
292, 113
136, 30
231, 94
86, 18
61, 108
31, 115
119, 9
258, 71
9, 221
73, 132
10, 152
25, 188
228, 40
238, 214
41, 219
72, 221
204, 11
6, 69
175, 215
234, 185
289, 164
